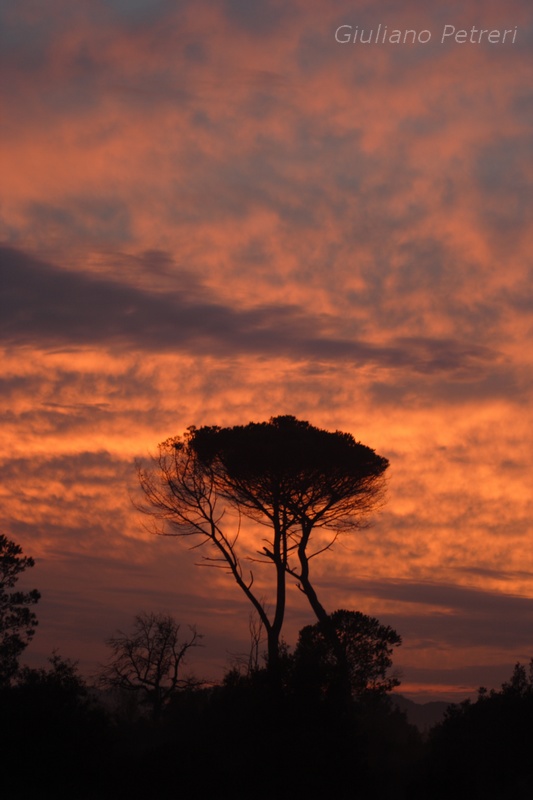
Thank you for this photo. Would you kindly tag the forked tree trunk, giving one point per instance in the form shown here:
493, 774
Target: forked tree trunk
343, 685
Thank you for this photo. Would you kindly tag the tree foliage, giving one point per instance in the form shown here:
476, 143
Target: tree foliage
149, 660
54, 739
485, 746
17, 620
365, 648
298, 481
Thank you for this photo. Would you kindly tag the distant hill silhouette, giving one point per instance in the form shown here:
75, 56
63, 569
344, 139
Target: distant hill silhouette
423, 715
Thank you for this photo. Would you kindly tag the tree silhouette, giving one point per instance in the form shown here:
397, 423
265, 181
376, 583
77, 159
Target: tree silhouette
149, 660
55, 740
365, 648
305, 485
17, 621
485, 746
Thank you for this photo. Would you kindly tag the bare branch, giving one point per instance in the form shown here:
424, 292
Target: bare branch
149, 659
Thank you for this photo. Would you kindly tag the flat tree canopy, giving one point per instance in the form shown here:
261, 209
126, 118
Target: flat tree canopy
285, 474
314, 475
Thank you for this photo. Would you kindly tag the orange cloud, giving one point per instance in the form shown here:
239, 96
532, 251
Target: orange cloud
217, 213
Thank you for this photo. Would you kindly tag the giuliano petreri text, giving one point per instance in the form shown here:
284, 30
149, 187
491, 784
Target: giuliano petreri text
381, 34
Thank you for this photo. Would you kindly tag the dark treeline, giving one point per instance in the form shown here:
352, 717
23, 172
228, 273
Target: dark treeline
61, 739
238, 739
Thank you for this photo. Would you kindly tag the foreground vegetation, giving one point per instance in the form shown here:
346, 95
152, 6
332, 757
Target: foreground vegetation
60, 739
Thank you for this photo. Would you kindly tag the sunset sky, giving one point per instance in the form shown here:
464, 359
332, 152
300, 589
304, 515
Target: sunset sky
213, 212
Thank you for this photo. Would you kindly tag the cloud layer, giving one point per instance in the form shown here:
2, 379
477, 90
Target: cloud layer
215, 212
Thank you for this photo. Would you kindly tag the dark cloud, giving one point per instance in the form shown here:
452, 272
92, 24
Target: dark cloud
142, 10
466, 617
502, 381
262, 17
47, 306
499, 574
450, 596
104, 218
506, 187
